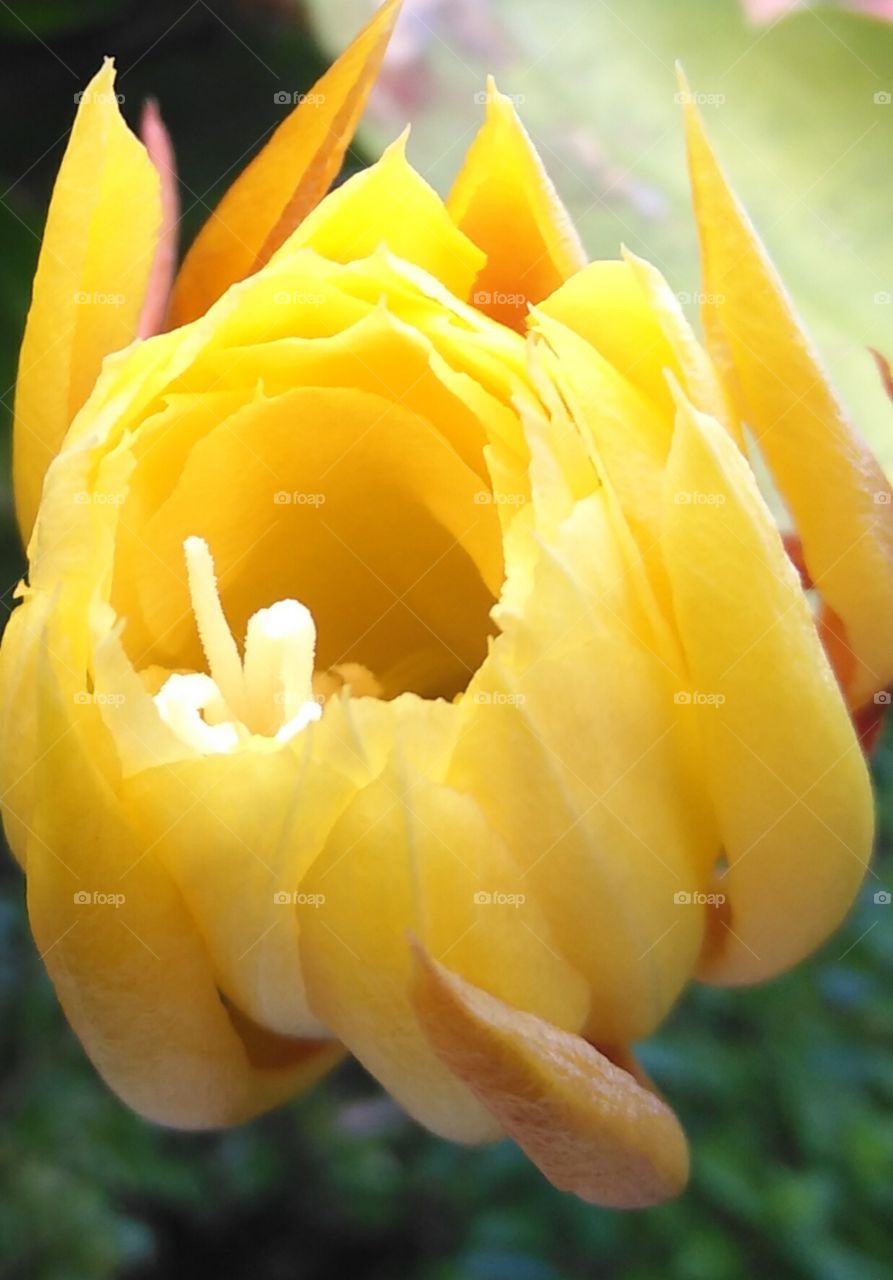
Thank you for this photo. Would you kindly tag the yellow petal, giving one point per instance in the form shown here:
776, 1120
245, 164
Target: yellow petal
127, 960
97, 252
504, 201
290, 176
409, 853
832, 484
625, 432
389, 203
574, 713
784, 769
586, 1123
605, 304
699, 376
236, 833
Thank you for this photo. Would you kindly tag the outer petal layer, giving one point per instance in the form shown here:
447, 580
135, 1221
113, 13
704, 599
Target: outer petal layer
587, 1124
785, 772
288, 179
134, 977
98, 248
837, 494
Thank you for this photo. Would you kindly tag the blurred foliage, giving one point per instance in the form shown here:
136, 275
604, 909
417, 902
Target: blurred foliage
786, 1091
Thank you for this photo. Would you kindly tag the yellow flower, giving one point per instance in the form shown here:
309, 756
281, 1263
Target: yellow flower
409, 661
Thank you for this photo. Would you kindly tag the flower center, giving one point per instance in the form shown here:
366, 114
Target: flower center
266, 694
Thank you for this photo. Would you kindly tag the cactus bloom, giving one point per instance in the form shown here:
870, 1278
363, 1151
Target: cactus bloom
409, 663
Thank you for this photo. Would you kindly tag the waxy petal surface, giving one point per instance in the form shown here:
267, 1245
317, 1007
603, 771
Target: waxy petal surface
837, 494
98, 247
783, 765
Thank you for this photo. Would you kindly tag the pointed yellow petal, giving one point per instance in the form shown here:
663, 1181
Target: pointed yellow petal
700, 378
785, 773
97, 252
587, 1124
623, 429
290, 176
504, 201
389, 203
605, 304
836, 492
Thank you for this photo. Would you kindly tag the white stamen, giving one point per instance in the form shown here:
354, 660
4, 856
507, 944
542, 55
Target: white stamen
265, 699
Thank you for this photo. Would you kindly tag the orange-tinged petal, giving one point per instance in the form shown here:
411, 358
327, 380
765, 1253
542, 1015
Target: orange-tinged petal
287, 179
831, 482
504, 201
98, 247
586, 1123
784, 769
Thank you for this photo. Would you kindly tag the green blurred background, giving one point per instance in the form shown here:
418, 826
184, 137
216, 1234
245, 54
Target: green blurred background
786, 1091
